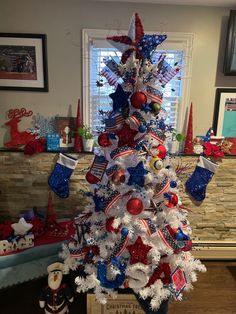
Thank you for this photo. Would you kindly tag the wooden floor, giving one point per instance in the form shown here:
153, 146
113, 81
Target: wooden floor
214, 293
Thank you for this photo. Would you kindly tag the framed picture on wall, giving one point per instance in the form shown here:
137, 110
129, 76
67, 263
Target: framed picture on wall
23, 62
224, 121
230, 51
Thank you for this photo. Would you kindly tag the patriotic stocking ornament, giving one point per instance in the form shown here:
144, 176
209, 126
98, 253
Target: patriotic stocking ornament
59, 178
96, 171
197, 183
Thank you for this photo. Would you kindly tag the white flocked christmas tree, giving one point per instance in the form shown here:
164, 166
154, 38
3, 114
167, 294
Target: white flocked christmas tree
134, 232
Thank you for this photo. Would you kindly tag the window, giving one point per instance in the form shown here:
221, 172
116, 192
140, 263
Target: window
96, 90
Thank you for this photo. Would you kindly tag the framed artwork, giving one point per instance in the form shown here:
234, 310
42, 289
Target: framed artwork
224, 121
230, 52
23, 62
66, 127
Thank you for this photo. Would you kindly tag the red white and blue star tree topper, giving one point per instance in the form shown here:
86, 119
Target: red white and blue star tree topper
137, 231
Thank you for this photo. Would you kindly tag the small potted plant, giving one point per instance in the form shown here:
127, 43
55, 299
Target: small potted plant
87, 137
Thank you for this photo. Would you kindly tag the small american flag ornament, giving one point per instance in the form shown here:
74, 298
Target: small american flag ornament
179, 281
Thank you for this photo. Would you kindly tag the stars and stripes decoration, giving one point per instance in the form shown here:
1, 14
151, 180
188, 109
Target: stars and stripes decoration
135, 120
127, 44
179, 281
84, 254
110, 71
78, 253
166, 72
111, 77
156, 135
154, 94
110, 171
98, 167
212, 138
111, 200
82, 226
121, 151
149, 225
119, 248
114, 123
167, 236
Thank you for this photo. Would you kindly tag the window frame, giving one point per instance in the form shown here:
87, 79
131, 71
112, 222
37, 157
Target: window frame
175, 40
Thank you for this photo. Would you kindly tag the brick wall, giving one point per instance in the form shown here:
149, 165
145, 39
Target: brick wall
23, 185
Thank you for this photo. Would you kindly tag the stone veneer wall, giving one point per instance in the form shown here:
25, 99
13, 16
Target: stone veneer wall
23, 185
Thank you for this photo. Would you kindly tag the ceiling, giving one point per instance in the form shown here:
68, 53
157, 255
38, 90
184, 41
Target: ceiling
215, 3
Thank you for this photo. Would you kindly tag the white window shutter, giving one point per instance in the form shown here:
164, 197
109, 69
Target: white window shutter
96, 89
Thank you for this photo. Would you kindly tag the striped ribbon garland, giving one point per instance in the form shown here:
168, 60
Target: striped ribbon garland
119, 248
156, 137
164, 187
111, 201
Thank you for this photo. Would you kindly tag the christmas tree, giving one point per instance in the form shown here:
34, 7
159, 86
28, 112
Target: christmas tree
134, 232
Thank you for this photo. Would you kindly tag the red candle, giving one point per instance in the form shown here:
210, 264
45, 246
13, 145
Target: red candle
78, 145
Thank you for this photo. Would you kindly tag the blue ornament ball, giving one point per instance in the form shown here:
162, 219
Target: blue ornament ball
179, 236
173, 184
142, 128
124, 232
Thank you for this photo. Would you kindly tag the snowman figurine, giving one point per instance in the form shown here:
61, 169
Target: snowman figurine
55, 297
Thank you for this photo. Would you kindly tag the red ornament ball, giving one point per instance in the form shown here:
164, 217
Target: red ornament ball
109, 225
118, 177
103, 140
161, 151
138, 99
91, 178
134, 206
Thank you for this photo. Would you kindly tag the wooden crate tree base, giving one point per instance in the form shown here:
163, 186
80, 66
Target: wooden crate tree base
123, 304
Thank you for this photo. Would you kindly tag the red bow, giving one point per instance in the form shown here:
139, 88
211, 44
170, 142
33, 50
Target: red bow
212, 150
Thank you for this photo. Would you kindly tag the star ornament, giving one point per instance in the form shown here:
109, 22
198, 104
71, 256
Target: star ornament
120, 98
126, 136
128, 44
21, 227
137, 174
136, 42
138, 252
148, 43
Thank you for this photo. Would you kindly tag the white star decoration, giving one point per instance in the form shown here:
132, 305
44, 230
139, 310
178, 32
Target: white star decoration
21, 227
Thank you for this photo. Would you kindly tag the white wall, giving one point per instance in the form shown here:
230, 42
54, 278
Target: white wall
63, 20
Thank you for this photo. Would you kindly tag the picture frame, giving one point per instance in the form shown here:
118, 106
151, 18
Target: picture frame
23, 62
230, 51
224, 119
66, 128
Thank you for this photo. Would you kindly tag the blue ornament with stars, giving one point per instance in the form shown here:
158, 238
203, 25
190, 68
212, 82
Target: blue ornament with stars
137, 174
120, 98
